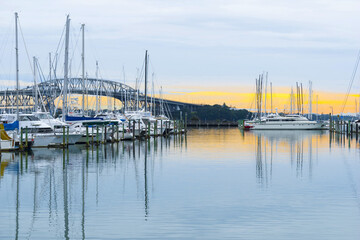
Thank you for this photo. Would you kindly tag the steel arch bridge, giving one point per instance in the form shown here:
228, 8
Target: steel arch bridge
49, 91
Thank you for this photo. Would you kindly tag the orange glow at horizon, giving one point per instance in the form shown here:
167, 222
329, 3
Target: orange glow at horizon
327, 101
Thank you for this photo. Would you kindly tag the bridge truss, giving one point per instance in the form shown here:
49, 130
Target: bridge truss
49, 92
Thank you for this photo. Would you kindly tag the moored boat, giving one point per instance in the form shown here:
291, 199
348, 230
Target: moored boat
288, 122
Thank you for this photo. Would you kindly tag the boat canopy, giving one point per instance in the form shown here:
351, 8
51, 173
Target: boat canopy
11, 126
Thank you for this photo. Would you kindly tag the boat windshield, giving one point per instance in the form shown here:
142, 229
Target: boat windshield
44, 116
28, 118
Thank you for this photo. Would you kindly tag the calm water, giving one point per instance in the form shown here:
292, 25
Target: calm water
213, 184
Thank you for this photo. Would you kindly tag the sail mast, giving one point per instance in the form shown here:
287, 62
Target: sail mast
302, 100
310, 100
66, 66
271, 97
83, 68
266, 84
35, 86
152, 92
291, 100
97, 89
17, 66
146, 72
49, 65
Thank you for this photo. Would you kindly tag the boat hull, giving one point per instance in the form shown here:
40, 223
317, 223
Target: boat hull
292, 126
8, 145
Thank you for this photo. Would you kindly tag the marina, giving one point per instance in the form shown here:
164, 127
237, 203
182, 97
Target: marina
141, 120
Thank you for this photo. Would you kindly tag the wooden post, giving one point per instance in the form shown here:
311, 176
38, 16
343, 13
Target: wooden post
357, 129
64, 140
87, 135
26, 137
67, 137
149, 129
21, 138
97, 134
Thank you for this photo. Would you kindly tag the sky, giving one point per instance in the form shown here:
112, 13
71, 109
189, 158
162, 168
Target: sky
201, 51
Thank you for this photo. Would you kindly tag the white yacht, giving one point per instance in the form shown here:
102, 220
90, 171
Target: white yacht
55, 124
38, 131
288, 122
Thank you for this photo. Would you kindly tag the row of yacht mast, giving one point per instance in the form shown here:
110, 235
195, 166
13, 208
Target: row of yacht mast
43, 129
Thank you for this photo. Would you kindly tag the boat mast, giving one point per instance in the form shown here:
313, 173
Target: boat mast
271, 97
87, 95
291, 101
125, 92
64, 107
83, 68
137, 100
302, 101
35, 86
52, 106
17, 66
146, 70
298, 98
259, 87
137, 89
49, 65
152, 92
161, 103
125, 108
5, 102
310, 100
266, 82
97, 89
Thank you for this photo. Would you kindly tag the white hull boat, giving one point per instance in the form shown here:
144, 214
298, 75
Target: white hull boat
289, 122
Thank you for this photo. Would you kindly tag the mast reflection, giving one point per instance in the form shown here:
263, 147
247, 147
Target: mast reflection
296, 146
71, 184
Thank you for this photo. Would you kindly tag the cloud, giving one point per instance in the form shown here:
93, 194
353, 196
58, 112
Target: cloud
198, 42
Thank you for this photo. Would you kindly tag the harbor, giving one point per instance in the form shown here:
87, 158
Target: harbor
180, 120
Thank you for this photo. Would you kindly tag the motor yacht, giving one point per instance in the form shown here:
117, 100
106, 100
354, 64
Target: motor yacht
288, 122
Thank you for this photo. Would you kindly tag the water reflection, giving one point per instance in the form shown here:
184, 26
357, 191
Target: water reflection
293, 146
71, 183
184, 186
